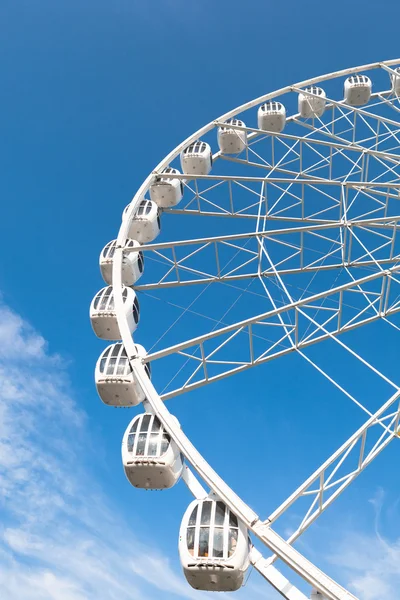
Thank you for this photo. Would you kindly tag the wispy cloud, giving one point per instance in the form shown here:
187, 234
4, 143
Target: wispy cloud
369, 561
59, 537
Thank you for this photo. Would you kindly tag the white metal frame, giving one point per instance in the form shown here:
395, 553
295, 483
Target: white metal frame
331, 478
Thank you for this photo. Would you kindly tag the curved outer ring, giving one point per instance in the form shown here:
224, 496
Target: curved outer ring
214, 481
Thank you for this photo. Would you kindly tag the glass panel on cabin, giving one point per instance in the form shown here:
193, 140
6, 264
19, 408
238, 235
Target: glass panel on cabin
131, 442
232, 542
204, 541
233, 522
121, 366
141, 444
190, 539
156, 425
206, 512
111, 365
153, 441
193, 516
140, 261
219, 514
164, 443
218, 543
96, 300
145, 423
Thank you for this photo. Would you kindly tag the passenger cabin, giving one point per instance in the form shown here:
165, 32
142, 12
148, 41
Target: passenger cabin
214, 547
311, 106
197, 159
167, 191
395, 79
271, 116
115, 381
132, 263
231, 141
145, 224
357, 90
151, 459
103, 316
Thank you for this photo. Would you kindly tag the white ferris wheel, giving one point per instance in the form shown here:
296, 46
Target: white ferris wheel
285, 210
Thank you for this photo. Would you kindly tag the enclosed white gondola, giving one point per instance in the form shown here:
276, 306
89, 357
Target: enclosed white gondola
151, 459
167, 191
214, 547
231, 141
271, 116
357, 90
197, 159
145, 224
103, 316
395, 79
311, 106
115, 381
132, 263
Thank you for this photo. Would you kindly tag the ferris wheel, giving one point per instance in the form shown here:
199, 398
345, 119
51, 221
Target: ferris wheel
285, 211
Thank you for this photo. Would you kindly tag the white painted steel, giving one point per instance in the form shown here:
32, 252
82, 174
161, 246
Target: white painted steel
381, 308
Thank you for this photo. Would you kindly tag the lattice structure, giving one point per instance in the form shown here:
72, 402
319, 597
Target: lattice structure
296, 237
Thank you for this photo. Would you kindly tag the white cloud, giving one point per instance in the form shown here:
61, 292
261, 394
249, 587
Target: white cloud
370, 563
59, 537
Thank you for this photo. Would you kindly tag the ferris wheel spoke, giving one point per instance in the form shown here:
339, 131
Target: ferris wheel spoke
235, 257
326, 484
261, 340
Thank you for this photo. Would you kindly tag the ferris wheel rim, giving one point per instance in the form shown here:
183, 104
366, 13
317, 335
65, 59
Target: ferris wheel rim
318, 579
247, 105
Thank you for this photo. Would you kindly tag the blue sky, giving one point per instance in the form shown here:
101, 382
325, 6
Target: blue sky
94, 94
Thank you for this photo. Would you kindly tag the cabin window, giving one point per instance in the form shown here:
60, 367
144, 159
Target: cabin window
206, 513
165, 443
218, 543
218, 531
114, 361
193, 517
141, 444
203, 541
151, 439
233, 537
136, 310
140, 262
156, 425
109, 250
190, 539
144, 208
104, 299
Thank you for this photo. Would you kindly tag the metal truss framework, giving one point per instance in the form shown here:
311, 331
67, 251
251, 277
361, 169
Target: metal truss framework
326, 218
299, 257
